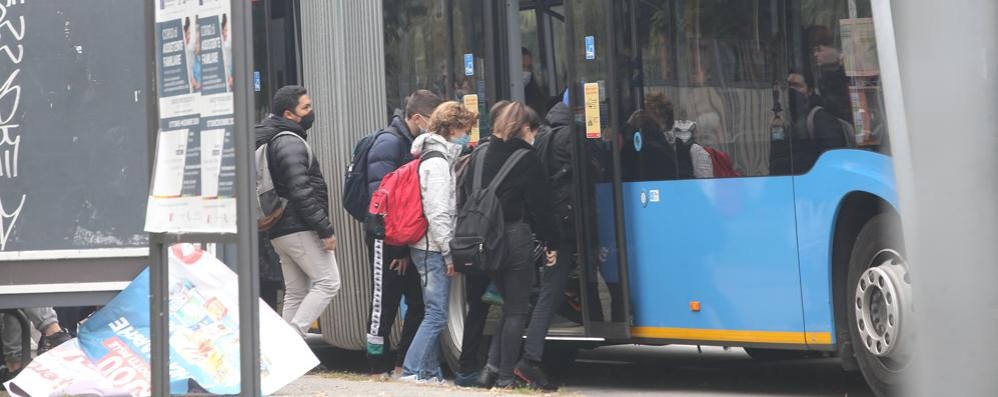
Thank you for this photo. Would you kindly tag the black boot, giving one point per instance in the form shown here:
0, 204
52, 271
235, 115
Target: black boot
532, 374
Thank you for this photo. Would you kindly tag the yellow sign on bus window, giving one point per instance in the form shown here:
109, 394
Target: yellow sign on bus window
591, 98
471, 102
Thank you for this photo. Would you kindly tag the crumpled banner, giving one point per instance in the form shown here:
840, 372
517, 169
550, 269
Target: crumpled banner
204, 339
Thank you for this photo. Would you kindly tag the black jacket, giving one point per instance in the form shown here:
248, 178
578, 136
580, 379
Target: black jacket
525, 190
295, 179
560, 167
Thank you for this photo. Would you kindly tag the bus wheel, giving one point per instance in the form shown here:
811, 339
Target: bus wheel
881, 311
780, 354
453, 336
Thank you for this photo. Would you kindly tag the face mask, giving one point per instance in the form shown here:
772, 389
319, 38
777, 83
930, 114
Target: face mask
684, 135
526, 77
463, 141
307, 120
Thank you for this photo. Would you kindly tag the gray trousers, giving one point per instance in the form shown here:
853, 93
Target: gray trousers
10, 329
311, 278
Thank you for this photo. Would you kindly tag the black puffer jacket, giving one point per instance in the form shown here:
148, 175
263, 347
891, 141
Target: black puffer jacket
301, 183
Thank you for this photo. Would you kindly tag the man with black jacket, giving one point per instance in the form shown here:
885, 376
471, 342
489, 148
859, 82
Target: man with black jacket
391, 280
303, 237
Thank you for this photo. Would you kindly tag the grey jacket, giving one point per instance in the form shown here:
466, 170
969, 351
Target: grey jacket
437, 185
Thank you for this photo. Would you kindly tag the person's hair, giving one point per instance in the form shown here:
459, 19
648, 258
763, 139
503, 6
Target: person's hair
421, 102
496, 110
287, 98
819, 35
187, 24
225, 20
660, 108
525, 52
450, 117
509, 124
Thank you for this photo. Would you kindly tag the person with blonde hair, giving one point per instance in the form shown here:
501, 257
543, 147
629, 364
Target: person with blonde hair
438, 149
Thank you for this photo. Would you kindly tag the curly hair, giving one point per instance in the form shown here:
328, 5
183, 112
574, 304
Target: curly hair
451, 117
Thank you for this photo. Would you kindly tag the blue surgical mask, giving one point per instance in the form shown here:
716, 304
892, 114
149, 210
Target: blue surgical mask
463, 141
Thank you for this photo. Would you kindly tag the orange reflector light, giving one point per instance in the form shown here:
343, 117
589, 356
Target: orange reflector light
695, 306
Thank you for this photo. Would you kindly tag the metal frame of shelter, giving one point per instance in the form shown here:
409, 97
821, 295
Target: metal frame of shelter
246, 236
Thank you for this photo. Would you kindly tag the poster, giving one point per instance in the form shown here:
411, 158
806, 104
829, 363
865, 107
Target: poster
194, 72
114, 348
471, 103
591, 95
859, 47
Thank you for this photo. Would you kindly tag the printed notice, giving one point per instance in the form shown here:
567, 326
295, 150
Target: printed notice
591, 96
194, 69
471, 102
859, 47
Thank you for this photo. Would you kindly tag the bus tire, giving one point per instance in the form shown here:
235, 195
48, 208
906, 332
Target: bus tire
879, 305
453, 335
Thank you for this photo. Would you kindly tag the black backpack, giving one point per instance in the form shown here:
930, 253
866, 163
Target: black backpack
479, 244
356, 197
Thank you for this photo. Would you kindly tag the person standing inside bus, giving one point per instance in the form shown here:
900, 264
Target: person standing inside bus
524, 195
391, 278
303, 237
449, 126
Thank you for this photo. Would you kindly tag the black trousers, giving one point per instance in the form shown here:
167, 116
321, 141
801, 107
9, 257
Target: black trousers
515, 280
388, 288
474, 323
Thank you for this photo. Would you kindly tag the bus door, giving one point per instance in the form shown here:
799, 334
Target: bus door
602, 254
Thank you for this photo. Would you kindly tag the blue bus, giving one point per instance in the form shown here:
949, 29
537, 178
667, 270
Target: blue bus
735, 184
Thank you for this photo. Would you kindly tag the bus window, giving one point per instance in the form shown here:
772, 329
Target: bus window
542, 27
416, 50
836, 95
701, 101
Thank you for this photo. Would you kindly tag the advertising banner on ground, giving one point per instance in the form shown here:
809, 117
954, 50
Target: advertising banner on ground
193, 187
112, 354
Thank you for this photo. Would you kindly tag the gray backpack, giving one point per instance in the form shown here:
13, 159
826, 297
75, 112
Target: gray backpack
479, 244
269, 205
847, 129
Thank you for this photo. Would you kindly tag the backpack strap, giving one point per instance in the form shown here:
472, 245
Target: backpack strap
507, 167
303, 141
479, 165
810, 121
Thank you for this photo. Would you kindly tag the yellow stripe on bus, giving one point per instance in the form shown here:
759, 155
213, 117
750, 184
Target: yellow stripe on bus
724, 335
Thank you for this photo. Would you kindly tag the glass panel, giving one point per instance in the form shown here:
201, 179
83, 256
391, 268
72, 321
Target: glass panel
704, 96
468, 36
416, 49
837, 95
604, 289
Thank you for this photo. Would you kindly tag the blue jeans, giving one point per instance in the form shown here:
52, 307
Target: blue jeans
423, 358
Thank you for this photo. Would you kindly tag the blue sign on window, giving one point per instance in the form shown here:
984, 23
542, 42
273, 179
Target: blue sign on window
256, 81
469, 65
590, 48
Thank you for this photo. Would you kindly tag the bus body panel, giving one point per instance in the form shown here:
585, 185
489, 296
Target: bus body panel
727, 244
819, 197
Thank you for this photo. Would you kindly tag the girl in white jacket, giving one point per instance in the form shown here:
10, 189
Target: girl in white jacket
448, 133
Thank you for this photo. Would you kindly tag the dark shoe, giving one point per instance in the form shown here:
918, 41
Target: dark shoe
532, 374
511, 383
50, 342
467, 380
487, 378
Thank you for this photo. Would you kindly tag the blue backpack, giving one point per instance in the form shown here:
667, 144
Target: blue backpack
356, 197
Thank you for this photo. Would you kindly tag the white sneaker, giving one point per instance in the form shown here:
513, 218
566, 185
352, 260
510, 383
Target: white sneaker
410, 379
434, 381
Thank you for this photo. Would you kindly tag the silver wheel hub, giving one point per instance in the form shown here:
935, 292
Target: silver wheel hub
884, 307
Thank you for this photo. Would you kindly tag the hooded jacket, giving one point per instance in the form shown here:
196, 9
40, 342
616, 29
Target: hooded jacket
295, 179
437, 188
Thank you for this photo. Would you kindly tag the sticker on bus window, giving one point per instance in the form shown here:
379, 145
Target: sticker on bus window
591, 93
471, 102
590, 48
469, 65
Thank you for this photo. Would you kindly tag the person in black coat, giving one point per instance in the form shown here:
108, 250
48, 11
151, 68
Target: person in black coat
391, 280
525, 196
303, 237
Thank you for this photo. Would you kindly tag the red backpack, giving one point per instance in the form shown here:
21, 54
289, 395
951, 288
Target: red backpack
397, 206
723, 167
